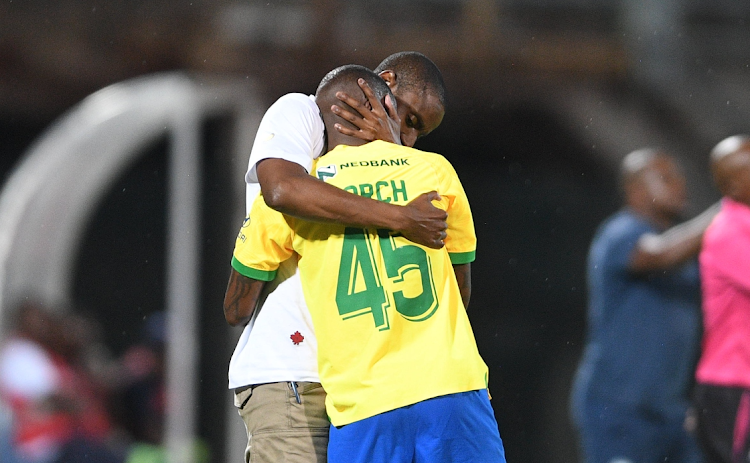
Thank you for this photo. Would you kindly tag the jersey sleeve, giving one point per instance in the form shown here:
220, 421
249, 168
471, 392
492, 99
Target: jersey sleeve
291, 129
264, 241
461, 242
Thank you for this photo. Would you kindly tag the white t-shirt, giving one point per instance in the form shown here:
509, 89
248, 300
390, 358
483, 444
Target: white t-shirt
291, 129
279, 343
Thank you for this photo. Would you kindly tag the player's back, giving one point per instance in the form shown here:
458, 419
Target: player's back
388, 314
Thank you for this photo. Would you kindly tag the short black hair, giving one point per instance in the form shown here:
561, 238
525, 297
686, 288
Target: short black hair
415, 71
348, 75
344, 78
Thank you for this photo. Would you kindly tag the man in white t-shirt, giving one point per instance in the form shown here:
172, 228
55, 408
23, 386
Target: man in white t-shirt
274, 370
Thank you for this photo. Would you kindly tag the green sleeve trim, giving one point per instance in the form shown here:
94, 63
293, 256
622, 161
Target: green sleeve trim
462, 257
261, 275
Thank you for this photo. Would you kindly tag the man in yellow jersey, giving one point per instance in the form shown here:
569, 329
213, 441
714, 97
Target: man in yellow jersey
396, 352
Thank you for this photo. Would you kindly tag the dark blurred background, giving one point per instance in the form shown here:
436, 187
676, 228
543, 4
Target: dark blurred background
544, 98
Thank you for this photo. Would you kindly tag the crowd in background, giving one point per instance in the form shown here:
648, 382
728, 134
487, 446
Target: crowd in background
65, 398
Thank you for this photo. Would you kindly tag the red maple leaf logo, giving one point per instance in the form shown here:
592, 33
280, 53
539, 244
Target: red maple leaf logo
297, 338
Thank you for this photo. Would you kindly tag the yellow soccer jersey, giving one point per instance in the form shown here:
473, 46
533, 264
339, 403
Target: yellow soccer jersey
388, 314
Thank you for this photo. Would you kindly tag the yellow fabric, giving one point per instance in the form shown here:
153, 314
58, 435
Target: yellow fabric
388, 315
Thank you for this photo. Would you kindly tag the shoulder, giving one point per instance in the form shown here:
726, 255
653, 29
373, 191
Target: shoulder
726, 243
625, 223
299, 101
428, 156
437, 161
294, 117
621, 229
433, 158
731, 226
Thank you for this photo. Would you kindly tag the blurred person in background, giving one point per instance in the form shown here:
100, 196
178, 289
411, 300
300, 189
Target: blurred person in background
722, 395
274, 370
140, 396
630, 398
58, 409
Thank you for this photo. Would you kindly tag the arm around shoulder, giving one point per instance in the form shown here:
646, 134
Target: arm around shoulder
673, 247
289, 189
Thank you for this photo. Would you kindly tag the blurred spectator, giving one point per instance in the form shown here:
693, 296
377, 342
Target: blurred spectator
141, 398
58, 412
631, 393
723, 374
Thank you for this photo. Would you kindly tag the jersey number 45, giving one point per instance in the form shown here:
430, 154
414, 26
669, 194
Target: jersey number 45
360, 287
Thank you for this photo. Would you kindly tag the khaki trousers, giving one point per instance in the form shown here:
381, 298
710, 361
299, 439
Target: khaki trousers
281, 430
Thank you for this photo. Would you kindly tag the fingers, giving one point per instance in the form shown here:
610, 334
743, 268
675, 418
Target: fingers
433, 196
365, 130
370, 117
390, 107
375, 104
347, 130
344, 114
438, 243
354, 104
441, 241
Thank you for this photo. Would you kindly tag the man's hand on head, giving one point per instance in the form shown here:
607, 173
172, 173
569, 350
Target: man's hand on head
373, 121
426, 224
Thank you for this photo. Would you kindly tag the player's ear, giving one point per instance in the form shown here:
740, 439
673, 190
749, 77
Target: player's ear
390, 78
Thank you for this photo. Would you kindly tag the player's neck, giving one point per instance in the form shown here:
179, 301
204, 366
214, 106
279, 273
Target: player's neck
336, 139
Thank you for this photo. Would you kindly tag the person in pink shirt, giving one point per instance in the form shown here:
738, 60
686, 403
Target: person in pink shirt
723, 372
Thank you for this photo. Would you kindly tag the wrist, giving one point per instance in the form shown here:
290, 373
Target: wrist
396, 217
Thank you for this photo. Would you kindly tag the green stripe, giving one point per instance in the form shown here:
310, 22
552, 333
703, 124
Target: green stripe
462, 257
262, 275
